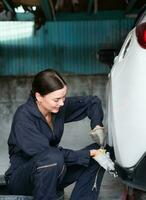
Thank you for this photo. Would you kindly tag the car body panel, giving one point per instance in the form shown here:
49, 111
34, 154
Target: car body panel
126, 103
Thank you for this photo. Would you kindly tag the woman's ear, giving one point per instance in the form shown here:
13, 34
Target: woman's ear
38, 97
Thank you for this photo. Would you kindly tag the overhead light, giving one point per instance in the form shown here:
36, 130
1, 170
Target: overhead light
34, 8
19, 9
14, 30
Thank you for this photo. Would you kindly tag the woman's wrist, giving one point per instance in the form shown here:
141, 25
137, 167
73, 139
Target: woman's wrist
93, 152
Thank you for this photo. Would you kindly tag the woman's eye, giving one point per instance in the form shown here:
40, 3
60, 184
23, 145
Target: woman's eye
56, 100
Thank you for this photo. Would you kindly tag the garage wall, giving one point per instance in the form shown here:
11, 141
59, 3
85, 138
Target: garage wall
15, 91
70, 47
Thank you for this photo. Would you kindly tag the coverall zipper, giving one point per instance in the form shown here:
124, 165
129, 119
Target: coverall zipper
95, 181
63, 168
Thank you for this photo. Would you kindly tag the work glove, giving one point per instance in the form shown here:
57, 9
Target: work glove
98, 135
104, 160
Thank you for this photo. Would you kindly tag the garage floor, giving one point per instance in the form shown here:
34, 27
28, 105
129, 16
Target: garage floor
111, 189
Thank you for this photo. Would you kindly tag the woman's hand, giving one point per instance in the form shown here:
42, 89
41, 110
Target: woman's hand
98, 135
96, 152
103, 158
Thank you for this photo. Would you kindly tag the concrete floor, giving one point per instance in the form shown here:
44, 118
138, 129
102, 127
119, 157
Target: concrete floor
111, 189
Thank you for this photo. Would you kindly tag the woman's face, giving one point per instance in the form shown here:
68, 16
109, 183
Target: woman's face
52, 101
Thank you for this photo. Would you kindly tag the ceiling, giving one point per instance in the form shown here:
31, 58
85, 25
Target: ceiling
46, 10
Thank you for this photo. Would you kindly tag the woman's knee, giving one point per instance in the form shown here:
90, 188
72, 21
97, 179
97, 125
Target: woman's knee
48, 158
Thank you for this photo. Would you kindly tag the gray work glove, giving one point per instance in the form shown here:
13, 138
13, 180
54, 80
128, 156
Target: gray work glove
98, 135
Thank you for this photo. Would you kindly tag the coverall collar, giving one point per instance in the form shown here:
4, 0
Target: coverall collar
33, 109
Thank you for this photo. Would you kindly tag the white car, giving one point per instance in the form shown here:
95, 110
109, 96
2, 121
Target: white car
126, 107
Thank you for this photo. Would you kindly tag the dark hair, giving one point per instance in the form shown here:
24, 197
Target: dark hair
47, 81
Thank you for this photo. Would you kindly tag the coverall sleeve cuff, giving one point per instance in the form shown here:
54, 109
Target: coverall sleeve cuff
83, 157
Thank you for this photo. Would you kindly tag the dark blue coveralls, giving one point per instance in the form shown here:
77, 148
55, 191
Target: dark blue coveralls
39, 167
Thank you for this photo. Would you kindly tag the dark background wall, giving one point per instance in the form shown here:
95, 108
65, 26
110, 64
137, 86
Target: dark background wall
70, 47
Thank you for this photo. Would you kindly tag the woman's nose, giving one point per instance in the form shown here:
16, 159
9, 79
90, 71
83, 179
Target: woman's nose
61, 102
